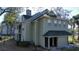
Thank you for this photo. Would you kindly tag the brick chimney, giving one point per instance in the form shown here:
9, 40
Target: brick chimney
28, 12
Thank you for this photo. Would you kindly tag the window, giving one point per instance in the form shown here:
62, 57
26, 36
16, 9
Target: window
59, 22
49, 22
55, 21
64, 23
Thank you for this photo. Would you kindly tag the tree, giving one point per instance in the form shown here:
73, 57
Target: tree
76, 21
3, 10
72, 24
11, 16
64, 14
61, 12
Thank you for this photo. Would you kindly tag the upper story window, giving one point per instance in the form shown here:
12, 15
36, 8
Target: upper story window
55, 21
59, 22
64, 23
49, 22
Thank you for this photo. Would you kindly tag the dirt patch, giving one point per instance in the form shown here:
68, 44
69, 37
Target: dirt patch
10, 45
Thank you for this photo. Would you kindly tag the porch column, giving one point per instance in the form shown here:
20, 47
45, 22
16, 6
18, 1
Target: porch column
36, 33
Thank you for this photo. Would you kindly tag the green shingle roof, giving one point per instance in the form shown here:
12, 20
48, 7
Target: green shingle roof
57, 33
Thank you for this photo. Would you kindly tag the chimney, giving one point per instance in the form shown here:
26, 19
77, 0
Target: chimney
28, 12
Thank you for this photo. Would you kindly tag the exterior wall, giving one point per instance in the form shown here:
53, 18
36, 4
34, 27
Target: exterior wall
26, 31
42, 42
41, 39
62, 41
44, 26
34, 31
23, 32
54, 26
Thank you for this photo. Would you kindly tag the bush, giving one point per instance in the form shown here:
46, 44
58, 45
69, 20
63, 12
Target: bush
0, 38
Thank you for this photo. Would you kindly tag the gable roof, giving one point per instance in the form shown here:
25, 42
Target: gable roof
39, 14
57, 33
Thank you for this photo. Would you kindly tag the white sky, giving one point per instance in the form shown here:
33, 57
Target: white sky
67, 4
37, 3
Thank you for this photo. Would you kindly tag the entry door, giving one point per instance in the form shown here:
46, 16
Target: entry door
51, 42
46, 41
55, 41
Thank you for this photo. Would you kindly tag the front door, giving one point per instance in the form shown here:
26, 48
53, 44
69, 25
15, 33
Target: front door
46, 41
53, 42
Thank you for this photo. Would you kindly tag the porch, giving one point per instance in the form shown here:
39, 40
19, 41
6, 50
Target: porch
54, 39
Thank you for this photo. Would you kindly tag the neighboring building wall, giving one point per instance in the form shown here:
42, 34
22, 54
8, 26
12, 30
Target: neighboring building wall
6, 29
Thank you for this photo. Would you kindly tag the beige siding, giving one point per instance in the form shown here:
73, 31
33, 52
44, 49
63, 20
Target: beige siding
53, 26
44, 27
62, 41
26, 32
42, 42
34, 31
